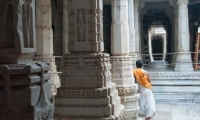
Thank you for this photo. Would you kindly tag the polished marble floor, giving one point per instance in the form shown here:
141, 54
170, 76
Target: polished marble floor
176, 112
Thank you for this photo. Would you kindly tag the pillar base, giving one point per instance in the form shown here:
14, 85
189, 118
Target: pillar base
183, 62
87, 91
122, 75
131, 106
101, 103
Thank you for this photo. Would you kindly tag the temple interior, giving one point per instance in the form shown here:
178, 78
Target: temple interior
74, 59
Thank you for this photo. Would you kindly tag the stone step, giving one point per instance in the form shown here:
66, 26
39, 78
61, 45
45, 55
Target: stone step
177, 94
176, 87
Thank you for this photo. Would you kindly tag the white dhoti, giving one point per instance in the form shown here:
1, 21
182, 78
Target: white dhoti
146, 102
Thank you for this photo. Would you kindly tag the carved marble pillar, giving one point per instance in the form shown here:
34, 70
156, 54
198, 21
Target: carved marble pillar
132, 32
131, 26
24, 88
164, 46
65, 28
87, 91
183, 59
17, 33
45, 40
175, 35
150, 35
137, 31
120, 59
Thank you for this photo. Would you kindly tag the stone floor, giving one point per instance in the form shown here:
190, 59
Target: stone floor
177, 112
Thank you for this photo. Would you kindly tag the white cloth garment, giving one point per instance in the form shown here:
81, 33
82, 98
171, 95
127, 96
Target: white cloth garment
146, 102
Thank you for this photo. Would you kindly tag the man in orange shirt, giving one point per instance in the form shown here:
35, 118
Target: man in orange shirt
146, 101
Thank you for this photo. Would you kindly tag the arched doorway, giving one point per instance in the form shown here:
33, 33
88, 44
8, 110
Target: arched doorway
157, 43
157, 18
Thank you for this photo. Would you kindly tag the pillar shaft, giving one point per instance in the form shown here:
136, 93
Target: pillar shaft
131, 26
45, 40
183, 59
65, 28
137, 31
121, 61
119, 28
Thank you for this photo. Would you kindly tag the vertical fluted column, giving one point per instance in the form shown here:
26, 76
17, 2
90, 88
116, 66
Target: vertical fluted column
183, 59
120, 59
44, 36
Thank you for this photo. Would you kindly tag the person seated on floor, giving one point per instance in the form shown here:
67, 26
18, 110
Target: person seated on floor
146, 101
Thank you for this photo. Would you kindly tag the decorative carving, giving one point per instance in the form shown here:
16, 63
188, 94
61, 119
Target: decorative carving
31, 88
17, 33
127, 89
86, 76
172, 75
27, 26
85, 27
90, 93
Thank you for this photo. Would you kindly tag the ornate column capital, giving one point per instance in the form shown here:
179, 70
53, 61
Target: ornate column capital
182, 2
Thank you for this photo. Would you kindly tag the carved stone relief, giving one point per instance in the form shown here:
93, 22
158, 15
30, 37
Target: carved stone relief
85, 26
27, 26
17, 33
86, 81
25, 92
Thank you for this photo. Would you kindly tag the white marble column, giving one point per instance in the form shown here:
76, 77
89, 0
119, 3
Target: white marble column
119, 28
183, 60
131, 26
65, 28
121, 61
175, 35
44, 37
136, 23
87, 91
150, 35
164, 46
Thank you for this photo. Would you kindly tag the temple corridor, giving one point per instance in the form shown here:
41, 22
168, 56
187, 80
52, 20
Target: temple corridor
74, 59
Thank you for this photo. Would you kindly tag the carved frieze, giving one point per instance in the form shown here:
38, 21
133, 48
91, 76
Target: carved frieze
127, 89
87, 93
174, 75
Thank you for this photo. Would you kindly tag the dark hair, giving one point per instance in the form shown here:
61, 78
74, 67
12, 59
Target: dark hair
139, 63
